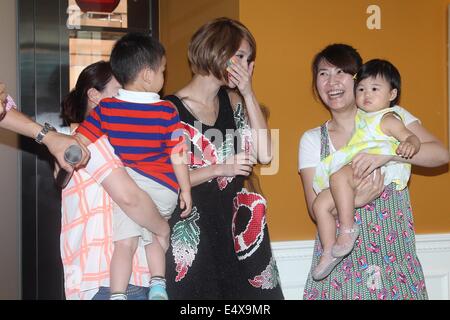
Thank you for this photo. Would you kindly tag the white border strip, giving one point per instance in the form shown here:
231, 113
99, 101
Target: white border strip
294, 261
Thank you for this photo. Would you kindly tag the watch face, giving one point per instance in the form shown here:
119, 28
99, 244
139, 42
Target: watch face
49, 127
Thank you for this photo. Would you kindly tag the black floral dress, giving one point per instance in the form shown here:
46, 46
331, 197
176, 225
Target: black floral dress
222, 250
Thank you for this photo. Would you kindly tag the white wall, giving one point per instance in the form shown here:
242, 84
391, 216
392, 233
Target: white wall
9, 174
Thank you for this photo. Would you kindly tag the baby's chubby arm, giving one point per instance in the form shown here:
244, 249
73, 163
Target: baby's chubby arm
409, 142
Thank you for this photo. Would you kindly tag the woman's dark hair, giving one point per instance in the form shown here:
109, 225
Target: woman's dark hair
134, 52
383, 69
342, 56
74, 106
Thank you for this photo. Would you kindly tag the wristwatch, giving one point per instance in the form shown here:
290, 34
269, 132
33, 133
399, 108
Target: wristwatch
40, 136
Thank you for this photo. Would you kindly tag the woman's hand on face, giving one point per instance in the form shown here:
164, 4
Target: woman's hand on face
240, 164
240, 76
369, 188
364, 164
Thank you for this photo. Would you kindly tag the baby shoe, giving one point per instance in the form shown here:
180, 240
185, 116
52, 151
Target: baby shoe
344, 249
325, 266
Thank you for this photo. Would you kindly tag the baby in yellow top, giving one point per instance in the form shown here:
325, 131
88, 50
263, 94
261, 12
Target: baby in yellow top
379, 129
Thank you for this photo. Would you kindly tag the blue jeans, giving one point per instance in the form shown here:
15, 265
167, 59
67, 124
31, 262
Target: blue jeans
133, 293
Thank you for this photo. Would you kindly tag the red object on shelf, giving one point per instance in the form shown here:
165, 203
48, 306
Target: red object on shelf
97, 5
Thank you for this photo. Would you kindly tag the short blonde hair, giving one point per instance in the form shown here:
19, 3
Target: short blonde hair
215, 43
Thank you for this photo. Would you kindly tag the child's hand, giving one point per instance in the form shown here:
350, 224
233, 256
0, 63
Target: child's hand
185, 203
406, 149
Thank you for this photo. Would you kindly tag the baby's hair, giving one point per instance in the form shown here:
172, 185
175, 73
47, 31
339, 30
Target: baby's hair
134, 52
383, 69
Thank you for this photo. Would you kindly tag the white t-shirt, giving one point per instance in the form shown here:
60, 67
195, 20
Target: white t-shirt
309, 146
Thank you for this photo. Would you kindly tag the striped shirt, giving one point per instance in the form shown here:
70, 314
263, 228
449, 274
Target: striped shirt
86, 228
143, 130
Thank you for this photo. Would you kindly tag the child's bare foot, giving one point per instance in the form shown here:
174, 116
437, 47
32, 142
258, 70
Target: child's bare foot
345, 241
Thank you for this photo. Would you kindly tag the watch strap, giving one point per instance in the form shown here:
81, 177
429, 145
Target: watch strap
40, 136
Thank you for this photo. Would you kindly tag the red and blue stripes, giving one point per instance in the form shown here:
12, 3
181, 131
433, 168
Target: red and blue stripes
143, 135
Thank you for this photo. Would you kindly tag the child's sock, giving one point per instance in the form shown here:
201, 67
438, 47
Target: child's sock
156, 280
118, 296
157, 289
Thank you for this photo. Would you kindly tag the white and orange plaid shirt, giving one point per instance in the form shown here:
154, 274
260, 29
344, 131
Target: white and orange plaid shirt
86, 228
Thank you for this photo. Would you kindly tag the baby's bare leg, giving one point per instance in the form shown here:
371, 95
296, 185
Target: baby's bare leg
343, 191
135, 202
342, 186
326, 223
156, 259
121, 264
156, 255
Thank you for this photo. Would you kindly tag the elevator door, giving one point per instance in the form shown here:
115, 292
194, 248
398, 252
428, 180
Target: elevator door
48, 59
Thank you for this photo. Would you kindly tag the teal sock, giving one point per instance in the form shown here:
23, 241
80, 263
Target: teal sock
157, 280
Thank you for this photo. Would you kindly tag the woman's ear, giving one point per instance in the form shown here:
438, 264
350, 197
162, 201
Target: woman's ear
394, 93
94, 96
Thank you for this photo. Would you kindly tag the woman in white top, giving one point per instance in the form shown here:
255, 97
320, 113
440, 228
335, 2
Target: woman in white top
384, 263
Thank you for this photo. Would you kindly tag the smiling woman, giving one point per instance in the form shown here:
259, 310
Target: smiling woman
398, 273
378, 130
